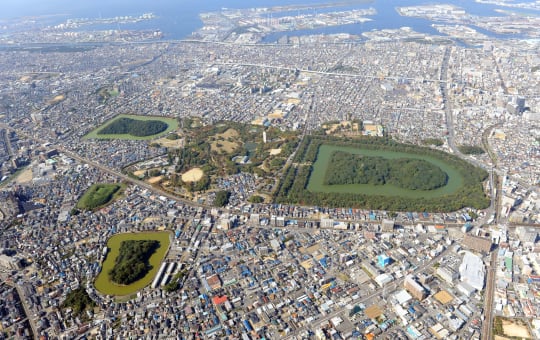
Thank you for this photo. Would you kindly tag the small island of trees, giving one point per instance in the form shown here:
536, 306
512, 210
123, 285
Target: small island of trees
132, 263
98, 195
134, 127
256, 199
407, 173
79, 301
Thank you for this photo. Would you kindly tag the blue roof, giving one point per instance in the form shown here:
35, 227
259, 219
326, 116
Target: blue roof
247, 326
412, 332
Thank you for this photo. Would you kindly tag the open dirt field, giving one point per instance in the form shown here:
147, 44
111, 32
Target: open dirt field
154, 180
274, 152
224, 144
139, 173
277, 114
332, 128
192, 175
24, 177
150, 219
56, 99
513, 329
169, 143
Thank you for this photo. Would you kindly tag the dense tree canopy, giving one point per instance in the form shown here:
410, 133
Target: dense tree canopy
408, 173
132, 263
292, 189
433, 141
98, 195
222, 198
256, 199
78, 300
471, 149
134, 127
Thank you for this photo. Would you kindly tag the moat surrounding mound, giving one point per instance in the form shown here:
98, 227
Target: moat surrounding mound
133, 127
407, 173
307, 180
104, 283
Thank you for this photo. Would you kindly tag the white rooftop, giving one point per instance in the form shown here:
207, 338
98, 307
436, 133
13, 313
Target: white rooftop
403, 297
472, 270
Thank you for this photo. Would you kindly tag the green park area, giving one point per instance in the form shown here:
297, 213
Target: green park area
213, 151
105, 93
99, 195
134, 127
381, 174
140, 252
79, 301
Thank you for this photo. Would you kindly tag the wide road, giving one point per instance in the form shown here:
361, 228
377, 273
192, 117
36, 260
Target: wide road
27, 311
5, 135
447, 104
488, 298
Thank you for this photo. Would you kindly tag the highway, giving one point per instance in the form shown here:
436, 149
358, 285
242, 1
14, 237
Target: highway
447, 106
7, 141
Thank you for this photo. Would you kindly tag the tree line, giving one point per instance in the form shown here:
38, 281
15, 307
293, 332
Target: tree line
471, 149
